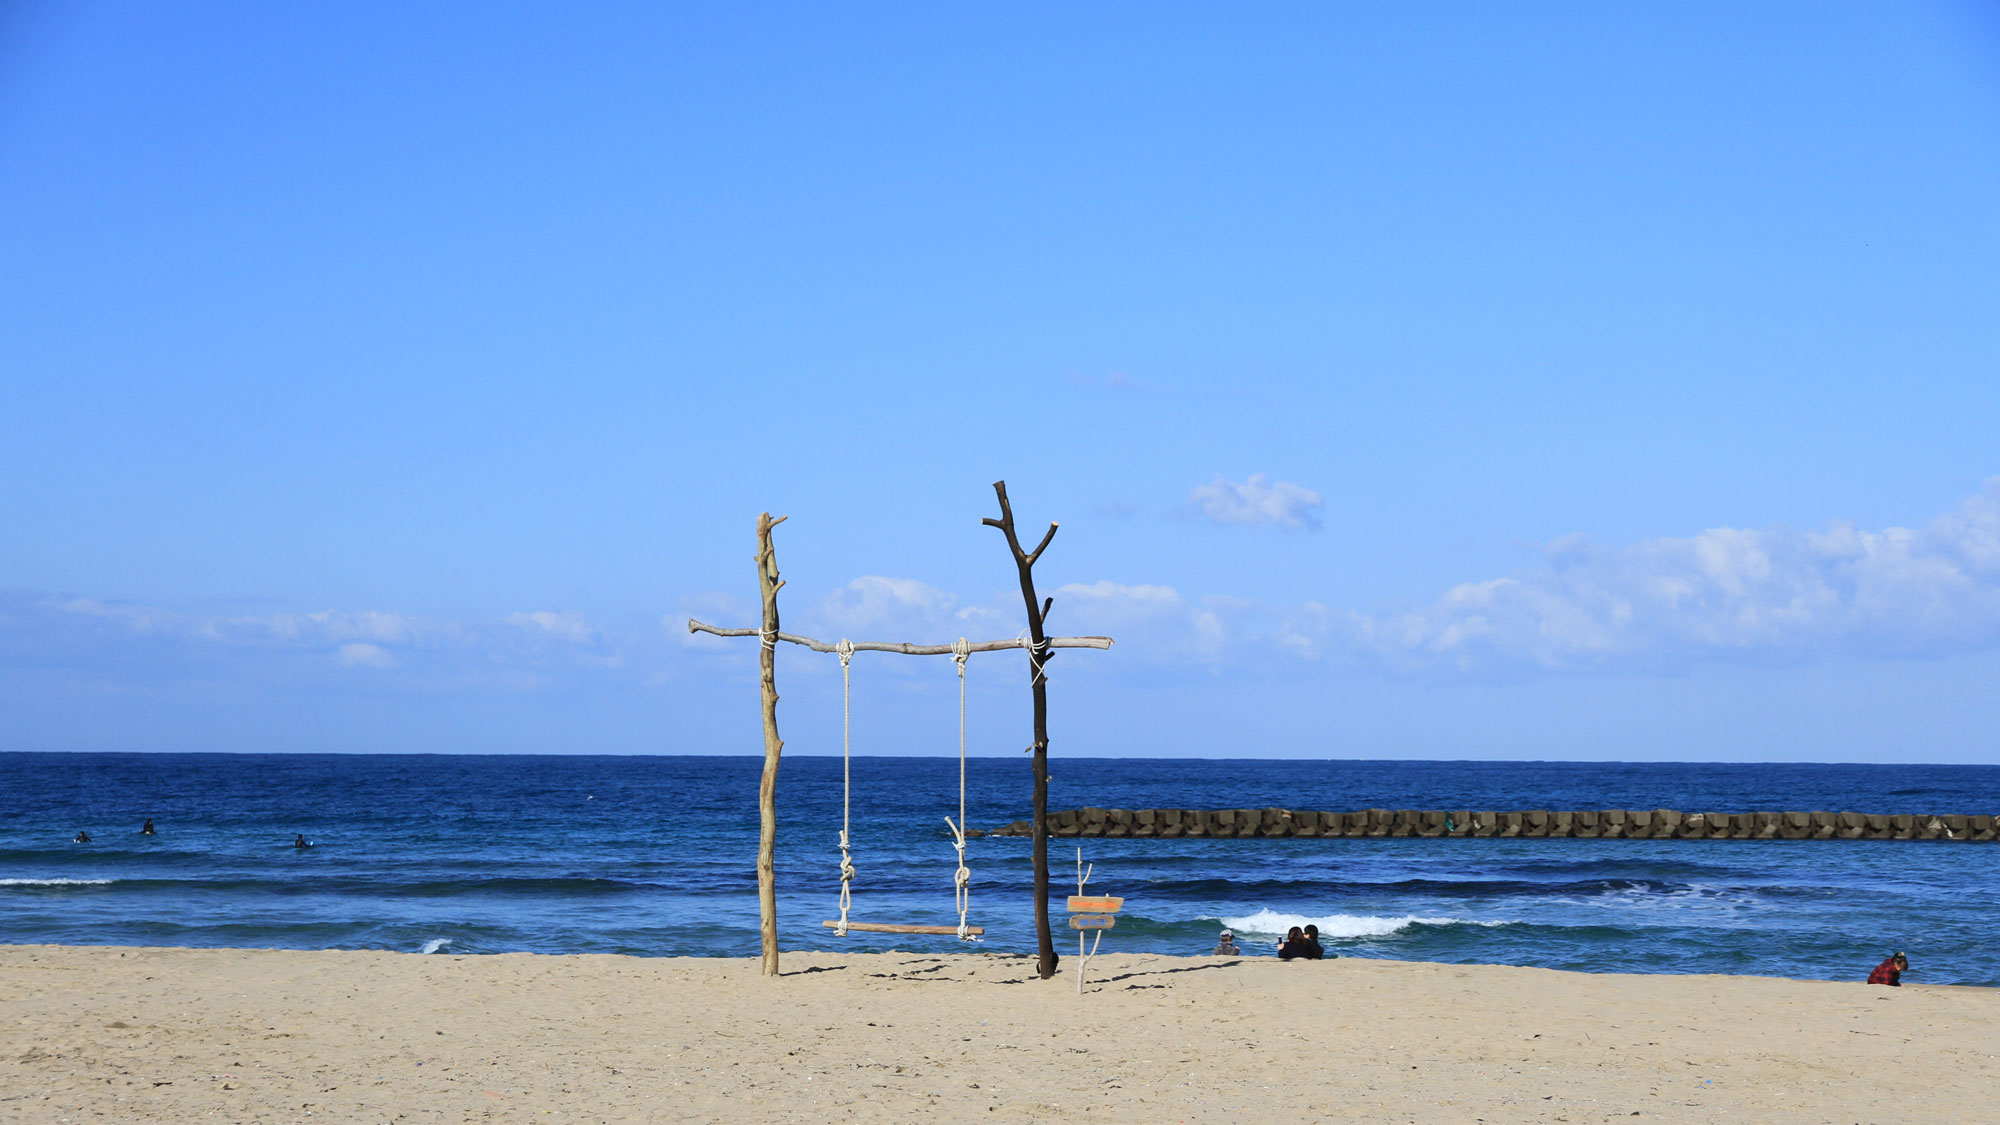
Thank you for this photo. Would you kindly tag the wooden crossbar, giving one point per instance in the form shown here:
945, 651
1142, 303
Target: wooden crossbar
902, 647
897, 928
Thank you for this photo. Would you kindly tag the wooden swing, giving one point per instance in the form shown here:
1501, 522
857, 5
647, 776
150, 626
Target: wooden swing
1033, 639
962, 879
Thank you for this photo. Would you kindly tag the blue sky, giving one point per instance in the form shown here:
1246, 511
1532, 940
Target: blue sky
1559, 381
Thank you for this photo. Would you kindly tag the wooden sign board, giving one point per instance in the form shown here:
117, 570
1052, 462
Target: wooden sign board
1092, 921
1091, 904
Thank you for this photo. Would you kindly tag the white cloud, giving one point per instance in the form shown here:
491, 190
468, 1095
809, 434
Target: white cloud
873, 602
566, 626
1775, 595
358, 638
361, 655
1000, 618
1221, 621
1258, 500
102, 643
365, 625
138, 618
1107, 605
311, 629
1725, 592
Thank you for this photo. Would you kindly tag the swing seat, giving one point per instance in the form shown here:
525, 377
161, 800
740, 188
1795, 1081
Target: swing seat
899, 928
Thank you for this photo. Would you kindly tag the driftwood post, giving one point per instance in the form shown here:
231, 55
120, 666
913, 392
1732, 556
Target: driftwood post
767, 792
1039, 652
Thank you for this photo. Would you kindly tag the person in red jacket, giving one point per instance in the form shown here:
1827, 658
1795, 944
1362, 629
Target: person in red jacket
1890, 972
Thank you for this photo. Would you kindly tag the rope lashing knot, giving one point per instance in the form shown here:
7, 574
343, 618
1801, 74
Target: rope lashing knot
770, 638
1039, 654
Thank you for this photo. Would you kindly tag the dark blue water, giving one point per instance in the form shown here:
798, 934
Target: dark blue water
655, 856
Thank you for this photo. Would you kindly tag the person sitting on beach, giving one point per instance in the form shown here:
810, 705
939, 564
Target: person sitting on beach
1295, 945
147, 828
1226, 946
1314, 951
1890, 972
300, 841
81, 838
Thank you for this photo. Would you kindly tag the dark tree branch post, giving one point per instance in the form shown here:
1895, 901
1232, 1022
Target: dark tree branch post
768, 585
1039, 654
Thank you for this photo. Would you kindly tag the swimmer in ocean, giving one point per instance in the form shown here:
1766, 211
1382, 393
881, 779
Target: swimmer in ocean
147, 829
301, 842
81, 838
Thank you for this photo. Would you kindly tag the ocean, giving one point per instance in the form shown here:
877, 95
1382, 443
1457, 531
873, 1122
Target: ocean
654, 856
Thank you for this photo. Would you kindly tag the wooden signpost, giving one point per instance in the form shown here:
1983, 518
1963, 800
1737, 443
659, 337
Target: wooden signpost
1085, 904
1096, 913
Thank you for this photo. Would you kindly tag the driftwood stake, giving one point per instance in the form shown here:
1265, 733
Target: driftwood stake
768, 585
1039, 654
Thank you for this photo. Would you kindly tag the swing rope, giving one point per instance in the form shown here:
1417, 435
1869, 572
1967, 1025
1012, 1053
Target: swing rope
846, 650
962, 878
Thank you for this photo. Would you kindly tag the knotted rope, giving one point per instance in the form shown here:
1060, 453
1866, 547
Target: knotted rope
962, 878
1038, 658
846, 650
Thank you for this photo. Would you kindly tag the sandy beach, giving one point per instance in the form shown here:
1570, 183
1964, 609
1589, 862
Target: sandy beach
124, 1034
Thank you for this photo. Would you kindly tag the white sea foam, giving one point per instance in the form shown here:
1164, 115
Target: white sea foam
54, 882
1333, 927
436, 944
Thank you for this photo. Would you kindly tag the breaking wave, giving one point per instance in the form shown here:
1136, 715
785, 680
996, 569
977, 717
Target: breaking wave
1333, 927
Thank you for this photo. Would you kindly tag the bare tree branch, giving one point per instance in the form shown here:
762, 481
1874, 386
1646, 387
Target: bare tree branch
1042, 546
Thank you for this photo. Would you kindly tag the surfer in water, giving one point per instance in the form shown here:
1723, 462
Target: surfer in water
81, 838
147, 828
300, 841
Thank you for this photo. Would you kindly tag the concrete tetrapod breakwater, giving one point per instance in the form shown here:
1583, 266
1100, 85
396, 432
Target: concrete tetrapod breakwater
1629, 824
